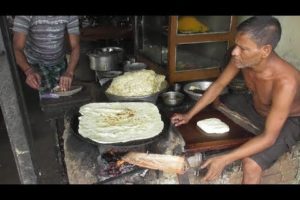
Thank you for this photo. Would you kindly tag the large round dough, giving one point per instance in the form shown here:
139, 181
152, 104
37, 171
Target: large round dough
119, 122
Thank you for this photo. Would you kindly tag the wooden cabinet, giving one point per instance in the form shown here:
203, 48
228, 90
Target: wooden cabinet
184, 50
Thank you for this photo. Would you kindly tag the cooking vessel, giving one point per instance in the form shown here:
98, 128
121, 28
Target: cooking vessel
199, 88
118, 50
146, 98
134, 66
102, 60
74, 124
172, 98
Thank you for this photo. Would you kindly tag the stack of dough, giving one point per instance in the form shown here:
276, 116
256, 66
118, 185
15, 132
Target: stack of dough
136, 83
213, 126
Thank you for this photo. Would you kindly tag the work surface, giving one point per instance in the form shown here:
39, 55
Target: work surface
197, 141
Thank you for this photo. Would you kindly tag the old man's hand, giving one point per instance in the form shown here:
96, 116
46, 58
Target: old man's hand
215, 167
178, 119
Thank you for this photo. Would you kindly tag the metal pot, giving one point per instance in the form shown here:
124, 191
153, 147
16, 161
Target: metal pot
147, 98
120, 52
83, 71
134, 66
103, 60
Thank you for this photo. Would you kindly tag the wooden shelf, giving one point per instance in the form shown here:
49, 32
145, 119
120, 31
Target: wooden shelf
174, 40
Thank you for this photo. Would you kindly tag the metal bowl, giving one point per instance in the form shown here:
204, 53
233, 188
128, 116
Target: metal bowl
147, 98
118, 50
111, 74
172, 98
103, 60
196, 89
134, 66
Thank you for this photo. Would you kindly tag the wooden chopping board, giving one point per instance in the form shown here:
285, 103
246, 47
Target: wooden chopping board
198, 141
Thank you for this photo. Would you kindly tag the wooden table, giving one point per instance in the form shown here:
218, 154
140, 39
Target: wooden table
198, 141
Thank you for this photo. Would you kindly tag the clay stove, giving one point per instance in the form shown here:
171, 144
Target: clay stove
99, 164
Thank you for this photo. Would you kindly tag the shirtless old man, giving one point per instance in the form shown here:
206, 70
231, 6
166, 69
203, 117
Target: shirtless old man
273, 101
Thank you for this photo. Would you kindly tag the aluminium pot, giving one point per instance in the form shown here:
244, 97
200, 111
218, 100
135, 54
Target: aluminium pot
118, 50
103, 60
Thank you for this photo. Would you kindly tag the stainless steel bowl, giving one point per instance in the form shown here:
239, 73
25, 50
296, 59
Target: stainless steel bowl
111, 74
196, 89
134, 66
147, 98
103, 60
172, 98
118, 50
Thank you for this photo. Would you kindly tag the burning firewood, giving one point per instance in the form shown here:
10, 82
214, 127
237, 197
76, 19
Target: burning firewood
167, 163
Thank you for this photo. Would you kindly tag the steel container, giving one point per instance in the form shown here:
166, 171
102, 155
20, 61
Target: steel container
172, 98
118, 50
147, 98
103, 60
196, 89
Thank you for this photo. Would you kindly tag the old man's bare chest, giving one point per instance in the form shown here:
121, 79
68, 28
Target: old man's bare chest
261, 88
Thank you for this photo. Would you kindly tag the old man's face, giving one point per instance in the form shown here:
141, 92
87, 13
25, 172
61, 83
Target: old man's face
246, 52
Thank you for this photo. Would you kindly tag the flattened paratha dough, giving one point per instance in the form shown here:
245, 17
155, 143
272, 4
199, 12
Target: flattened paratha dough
119, 122
213, 126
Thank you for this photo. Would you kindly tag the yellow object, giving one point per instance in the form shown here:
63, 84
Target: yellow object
191, 24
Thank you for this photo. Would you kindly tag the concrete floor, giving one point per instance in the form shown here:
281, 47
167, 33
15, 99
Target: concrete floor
8, 169
45, 151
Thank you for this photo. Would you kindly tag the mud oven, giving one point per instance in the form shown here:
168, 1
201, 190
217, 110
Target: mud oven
90, 163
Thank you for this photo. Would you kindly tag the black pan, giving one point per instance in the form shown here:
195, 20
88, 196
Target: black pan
74, 123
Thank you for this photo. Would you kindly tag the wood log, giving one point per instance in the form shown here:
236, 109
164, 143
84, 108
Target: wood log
167, 163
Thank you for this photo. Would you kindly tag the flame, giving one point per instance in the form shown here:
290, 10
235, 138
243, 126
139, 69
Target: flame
120, 162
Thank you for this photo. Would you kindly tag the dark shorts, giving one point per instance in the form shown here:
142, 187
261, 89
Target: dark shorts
50, 75
289, 135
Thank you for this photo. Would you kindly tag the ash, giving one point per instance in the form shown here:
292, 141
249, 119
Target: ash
110, 165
